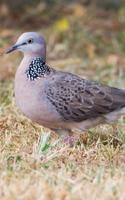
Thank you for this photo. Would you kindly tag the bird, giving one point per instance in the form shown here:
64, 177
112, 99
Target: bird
59, 100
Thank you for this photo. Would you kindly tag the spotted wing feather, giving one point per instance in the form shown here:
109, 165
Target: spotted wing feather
78, 99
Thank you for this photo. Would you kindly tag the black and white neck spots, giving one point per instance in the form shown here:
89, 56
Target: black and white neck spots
37, 69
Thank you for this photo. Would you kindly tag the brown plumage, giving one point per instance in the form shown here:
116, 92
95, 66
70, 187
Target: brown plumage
77, 99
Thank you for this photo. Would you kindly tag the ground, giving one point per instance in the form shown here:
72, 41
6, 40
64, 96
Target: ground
34, 162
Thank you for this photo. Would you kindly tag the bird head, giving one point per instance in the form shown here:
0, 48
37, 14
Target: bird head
30, 43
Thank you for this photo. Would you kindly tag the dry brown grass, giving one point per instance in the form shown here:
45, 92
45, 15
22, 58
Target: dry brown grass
35, 165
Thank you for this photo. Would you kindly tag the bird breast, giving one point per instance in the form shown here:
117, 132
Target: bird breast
31, 100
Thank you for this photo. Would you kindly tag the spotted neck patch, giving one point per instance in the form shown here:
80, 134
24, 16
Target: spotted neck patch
37, 69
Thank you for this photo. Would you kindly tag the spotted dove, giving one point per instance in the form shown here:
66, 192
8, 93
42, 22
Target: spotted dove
61, 100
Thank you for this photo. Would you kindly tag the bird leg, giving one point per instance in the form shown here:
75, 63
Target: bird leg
67, 136
72, 137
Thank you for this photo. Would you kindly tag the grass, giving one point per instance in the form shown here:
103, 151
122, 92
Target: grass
34, 163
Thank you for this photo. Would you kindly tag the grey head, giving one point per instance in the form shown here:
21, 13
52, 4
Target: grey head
31, 44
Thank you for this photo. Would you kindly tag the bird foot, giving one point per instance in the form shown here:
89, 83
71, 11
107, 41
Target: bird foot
66, 136
69, 140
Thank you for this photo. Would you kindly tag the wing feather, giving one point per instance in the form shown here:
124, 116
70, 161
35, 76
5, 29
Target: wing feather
78, 99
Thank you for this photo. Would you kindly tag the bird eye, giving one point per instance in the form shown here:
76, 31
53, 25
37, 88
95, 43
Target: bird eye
30, 41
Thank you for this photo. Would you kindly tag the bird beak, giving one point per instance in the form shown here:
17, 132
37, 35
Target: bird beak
13, 48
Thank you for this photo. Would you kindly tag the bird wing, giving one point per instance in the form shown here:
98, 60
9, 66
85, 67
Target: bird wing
78, 99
